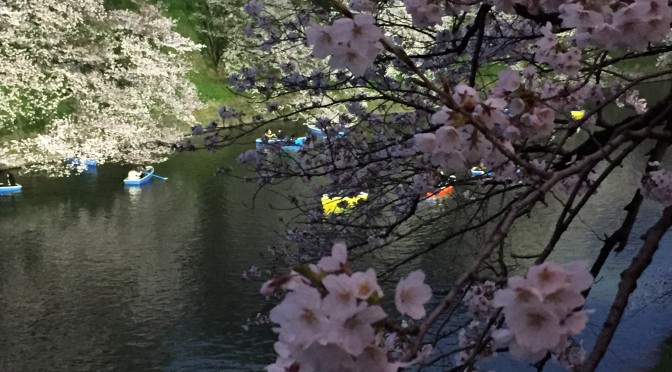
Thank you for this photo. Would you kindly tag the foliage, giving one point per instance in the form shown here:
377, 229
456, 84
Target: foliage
397, 92
83, 81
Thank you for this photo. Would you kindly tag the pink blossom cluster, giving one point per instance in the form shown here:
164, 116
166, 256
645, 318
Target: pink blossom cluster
424, 13
633, 100
479, 299
331, 320
457, 144
352, 43
657, 185
543, 309
534, 103
564, 60
368, 6
610, 24
467, 339
618, 24
508, 113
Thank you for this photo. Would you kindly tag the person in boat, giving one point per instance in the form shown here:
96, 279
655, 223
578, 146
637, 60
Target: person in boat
135, 174
142, 171
269, 134
281, 136
10, 179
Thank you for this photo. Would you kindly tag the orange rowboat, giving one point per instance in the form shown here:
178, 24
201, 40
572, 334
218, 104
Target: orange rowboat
445, 191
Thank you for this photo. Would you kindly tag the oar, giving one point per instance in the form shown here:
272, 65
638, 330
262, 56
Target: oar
154, 175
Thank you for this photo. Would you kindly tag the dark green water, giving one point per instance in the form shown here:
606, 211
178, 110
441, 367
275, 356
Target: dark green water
95, 276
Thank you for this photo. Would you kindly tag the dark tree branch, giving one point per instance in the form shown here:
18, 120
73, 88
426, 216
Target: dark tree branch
626, 286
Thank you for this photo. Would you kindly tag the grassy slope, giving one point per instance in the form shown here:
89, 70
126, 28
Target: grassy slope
212, 89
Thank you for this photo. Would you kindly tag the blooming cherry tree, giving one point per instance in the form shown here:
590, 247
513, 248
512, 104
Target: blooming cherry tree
82, 81
505, 101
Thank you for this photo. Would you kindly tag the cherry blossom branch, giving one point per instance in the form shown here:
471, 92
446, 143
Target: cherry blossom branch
619, 238
502, 229
569, 213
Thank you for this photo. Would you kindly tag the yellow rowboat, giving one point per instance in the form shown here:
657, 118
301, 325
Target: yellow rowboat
340, 204
577, 114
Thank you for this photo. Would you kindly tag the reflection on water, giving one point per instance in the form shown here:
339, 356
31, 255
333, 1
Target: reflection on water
95, 276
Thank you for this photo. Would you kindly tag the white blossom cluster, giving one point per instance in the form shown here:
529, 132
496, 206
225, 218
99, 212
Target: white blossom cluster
424, 13
456, 144
479, 299
331, 320
82, 81
543, 309
549, 51
351, 43
618, 24
610, 24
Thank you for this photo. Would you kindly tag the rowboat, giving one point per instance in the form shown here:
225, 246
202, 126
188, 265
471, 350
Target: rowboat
148, 171
320, 133
442, 192
477, 172
577, 114
296, 146
340, 204
260, 142
6, 189
78, 161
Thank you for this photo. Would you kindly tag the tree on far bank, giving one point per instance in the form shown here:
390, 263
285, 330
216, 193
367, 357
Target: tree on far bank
80, 81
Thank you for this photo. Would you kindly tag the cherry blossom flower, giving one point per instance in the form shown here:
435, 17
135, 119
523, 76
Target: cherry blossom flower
424, 13
501, 337
535, 326
578, 275
358, 33
547, 277
425, 142
339, 255
518, 291
366, 284
321, 40
300, 317
352, 330
412, 294
509, 80
351, 43
342, 295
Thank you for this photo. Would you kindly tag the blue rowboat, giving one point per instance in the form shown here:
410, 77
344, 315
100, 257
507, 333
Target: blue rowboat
260, 143
77, 161
296, 146
476, 172
7, 189
291, 148
143, 180
320, 133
